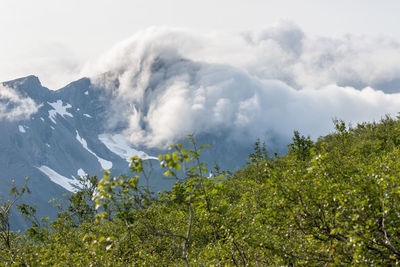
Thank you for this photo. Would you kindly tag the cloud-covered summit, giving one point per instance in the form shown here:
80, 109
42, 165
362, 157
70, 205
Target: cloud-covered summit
171, 82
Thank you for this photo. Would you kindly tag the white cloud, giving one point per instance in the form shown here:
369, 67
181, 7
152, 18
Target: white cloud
172, 82
15, 107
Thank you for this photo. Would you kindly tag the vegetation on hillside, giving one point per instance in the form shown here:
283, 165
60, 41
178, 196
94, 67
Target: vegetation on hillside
335, 201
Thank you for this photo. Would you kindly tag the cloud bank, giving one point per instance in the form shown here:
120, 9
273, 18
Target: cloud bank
15, 107
169, 82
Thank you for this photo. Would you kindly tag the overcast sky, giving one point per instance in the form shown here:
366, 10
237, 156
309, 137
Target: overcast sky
53, 39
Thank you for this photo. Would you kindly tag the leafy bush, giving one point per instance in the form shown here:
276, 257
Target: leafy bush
335, 201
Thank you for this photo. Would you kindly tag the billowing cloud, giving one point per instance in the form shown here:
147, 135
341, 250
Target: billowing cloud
168, 82
15, 107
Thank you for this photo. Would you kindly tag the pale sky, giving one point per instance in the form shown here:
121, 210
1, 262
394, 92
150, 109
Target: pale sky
54, 38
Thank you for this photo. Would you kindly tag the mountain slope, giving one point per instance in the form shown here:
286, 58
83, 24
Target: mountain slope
60, 141
73, 131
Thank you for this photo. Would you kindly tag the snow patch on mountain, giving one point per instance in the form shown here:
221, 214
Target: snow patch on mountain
21, 129
57, 178
59, 108
105, 164
119, 145
81, 173
87, 115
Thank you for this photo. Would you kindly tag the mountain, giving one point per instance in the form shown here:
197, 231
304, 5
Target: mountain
151, 91
68, 134
64, 139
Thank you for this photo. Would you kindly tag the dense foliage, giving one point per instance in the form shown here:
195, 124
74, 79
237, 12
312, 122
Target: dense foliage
335, 201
